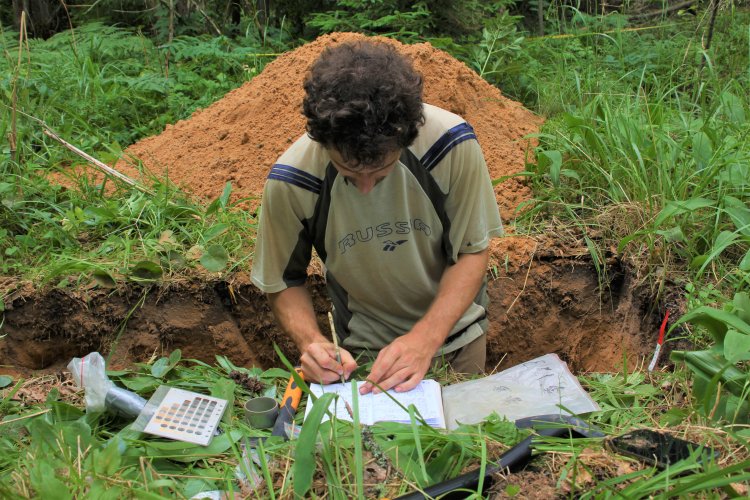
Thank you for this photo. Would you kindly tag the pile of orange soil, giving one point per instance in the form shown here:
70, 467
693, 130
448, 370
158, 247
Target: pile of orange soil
240, 136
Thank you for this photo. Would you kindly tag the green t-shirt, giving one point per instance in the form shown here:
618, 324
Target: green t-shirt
385, 251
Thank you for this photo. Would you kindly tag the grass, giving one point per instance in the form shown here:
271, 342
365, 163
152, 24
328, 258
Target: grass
648, 147
102, 88
51, 447
53, 234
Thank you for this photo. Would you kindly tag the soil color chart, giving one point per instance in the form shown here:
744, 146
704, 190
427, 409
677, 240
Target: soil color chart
186, 416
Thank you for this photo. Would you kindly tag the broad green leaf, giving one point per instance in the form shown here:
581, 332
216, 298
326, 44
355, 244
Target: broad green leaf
706, 365
304, 454
672, 234
553, 161
678, 207
739, 213
698, 261
733, 108
102, 490
173, 260
106, 461
274, 373
224, 388
715, 321
723, 240
63, 412
5, 381
188, 452
99, 215
175, 357
741, 304
214, 231
141, 383
702, 150
736, 174
566, 172
226, 364
736, 346
45, 482
103, 278
146, 270
164, 365
442, 464
215, 258
224, 198
160, 367
673, 417
194, 486
744, 264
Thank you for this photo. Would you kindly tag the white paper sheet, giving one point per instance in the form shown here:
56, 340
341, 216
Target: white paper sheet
537, 387
380, 408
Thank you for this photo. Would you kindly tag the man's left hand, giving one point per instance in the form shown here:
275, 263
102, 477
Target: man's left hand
401, 364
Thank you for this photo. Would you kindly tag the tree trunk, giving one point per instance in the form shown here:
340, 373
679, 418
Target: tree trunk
44, 18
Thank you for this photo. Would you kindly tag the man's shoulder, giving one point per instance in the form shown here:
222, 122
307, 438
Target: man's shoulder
438, 119
302, 165
305, 154
441, 132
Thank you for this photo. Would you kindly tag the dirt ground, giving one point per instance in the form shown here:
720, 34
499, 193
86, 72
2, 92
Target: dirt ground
546, 297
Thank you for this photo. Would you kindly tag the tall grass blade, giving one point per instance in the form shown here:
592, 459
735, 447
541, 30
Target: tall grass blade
304, 454
359, 464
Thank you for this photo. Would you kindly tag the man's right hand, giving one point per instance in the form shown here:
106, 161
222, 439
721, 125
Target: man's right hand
319, 363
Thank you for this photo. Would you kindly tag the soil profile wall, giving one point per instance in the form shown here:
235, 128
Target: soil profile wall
547, 305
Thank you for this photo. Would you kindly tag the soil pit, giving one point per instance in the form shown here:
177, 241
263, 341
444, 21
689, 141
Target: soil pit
545, 304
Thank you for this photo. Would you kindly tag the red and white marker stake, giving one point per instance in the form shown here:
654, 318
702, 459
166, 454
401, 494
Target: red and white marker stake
659, 343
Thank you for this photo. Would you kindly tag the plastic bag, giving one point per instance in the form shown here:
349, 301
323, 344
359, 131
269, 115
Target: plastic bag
102, 394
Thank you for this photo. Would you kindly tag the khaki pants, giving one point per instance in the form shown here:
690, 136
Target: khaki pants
468, 359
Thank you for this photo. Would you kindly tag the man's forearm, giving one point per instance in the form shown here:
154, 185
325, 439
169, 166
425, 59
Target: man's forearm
458, 288
294, 312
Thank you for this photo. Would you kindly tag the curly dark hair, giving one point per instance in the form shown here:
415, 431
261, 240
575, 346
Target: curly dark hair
364, 99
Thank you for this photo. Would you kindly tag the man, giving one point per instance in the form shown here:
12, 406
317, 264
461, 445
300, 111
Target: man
395, 197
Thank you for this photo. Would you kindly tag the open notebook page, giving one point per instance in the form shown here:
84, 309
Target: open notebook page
426, 397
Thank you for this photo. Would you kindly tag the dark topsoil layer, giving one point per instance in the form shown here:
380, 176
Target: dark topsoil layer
546, 303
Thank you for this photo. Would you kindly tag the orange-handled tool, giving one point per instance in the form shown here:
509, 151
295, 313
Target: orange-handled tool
289, 404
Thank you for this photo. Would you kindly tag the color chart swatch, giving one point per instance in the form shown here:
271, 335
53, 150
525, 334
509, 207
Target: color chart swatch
187, 416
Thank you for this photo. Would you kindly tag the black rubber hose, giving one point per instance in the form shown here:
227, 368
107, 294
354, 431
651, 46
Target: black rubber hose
512, 459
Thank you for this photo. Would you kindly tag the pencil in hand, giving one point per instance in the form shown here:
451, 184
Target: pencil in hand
336, 345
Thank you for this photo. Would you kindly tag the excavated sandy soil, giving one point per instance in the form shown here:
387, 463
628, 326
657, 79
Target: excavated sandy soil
239, 137
545, 297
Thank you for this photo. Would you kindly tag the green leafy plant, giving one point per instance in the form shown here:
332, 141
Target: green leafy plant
721, 384
375, 17
500, 44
